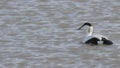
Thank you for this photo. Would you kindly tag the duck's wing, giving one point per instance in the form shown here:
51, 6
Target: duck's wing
92, 40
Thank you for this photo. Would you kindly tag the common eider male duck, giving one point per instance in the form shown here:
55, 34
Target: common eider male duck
94, 38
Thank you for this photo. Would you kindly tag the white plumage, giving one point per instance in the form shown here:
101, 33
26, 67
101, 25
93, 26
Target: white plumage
94, 38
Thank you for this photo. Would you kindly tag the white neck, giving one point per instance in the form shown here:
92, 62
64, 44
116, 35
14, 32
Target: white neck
90, 31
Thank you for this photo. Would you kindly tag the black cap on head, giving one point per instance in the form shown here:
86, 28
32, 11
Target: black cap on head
89, 24
84, 25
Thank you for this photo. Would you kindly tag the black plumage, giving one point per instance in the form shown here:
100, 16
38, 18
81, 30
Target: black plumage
92, 41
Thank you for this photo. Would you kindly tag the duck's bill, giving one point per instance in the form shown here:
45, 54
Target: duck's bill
81, 27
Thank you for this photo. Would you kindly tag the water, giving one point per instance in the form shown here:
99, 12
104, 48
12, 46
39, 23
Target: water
42, 33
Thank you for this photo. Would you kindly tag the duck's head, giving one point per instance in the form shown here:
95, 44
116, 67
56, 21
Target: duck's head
88, 24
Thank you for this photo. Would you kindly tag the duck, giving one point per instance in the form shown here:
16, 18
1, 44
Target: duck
94, 39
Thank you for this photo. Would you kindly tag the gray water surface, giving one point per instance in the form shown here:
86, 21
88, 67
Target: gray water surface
43, 33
